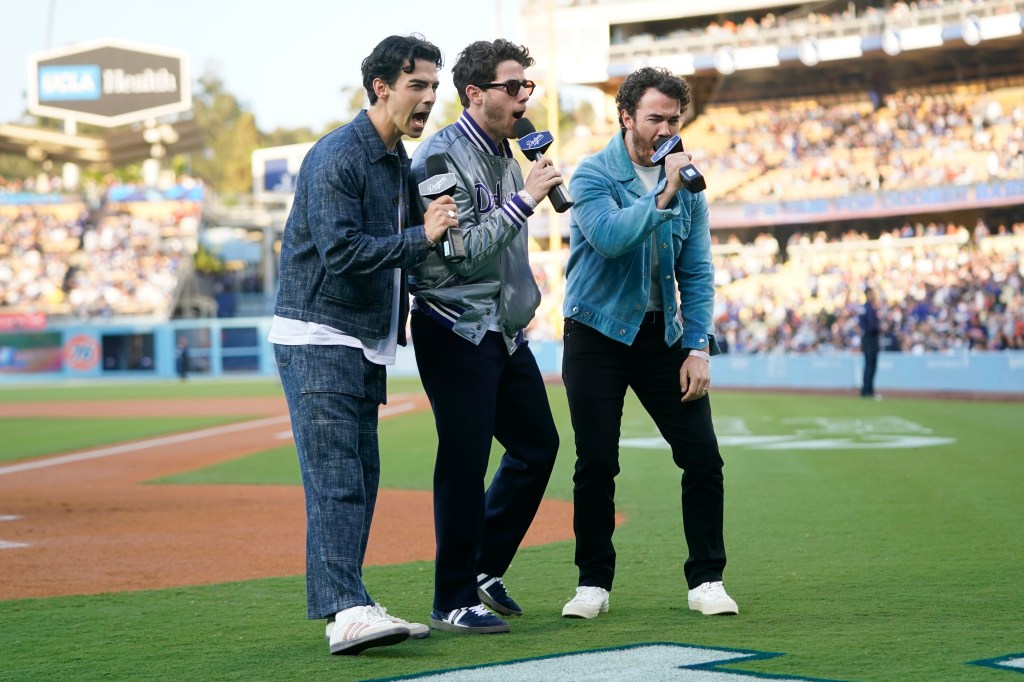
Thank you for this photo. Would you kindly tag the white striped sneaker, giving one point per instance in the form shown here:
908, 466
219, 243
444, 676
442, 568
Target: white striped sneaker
416, 630
362, 627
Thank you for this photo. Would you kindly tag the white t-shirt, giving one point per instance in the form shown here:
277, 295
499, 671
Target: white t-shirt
650, 176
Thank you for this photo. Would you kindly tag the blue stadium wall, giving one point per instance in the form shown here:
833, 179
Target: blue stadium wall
237, 347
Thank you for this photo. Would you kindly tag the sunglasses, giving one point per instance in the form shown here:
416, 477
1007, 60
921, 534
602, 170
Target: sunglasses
512, 87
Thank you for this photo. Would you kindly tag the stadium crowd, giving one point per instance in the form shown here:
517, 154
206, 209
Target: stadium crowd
942, 288
94, 264
799, 150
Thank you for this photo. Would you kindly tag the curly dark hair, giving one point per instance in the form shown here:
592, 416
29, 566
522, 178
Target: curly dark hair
478, 63
391, 56
638, 82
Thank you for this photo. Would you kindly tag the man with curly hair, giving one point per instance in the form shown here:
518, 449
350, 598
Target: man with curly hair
638, 314
475, 363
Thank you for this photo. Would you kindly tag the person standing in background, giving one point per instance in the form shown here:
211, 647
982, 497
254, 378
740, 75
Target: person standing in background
870, 330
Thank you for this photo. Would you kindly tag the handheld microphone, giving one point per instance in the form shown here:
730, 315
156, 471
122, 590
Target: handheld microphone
441, 183
693, 181
534, 145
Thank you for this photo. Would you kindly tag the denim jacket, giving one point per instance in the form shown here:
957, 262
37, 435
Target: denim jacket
342, 239
608, 274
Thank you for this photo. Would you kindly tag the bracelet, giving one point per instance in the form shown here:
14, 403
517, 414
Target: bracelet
431, 244
530, 202
700, 354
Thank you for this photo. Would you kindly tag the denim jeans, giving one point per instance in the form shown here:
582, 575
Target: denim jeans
597, 371
333, 395
480, 393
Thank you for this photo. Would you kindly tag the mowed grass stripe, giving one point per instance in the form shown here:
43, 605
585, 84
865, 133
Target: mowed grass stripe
27, 437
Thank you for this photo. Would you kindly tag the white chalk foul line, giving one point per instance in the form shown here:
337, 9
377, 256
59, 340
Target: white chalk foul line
142, 445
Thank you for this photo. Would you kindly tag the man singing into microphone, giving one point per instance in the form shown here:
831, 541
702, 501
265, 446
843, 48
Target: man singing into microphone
467, 327
638, 314
340, 312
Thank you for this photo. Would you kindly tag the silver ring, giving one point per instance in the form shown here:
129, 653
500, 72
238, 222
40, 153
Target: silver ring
451, 214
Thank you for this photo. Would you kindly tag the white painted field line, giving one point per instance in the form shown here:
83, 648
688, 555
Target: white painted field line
142, 445
4, 544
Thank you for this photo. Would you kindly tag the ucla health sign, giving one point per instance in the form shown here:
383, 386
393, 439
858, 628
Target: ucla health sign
109, 83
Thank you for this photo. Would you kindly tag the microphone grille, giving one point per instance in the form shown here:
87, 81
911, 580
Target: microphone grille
436, 165
523, 127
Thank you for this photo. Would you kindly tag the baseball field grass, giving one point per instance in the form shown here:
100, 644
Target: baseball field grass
867, 541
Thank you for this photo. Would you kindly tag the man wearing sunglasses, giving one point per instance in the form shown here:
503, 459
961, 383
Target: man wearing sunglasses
467, 326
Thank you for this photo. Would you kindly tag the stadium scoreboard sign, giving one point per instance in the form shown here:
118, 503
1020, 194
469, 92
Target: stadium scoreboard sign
109, 83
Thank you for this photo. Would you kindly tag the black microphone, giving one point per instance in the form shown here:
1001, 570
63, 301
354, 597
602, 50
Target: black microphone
534, 145
693, 181
440, 183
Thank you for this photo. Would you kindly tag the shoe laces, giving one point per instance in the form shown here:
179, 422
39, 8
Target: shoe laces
497, 588
383, 611
589, 593
715, 589
375, 614
479, 610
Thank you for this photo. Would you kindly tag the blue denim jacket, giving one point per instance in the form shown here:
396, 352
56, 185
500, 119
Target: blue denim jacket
608, 274
342, 239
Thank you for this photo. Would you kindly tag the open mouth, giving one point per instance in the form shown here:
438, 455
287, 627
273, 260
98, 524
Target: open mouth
421, 118
518, 114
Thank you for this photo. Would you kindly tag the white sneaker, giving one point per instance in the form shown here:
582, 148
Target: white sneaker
588, 603
711, 600
362, 627
416, 630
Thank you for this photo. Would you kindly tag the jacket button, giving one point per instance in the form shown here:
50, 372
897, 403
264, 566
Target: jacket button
664, 245
668, 277
622, 332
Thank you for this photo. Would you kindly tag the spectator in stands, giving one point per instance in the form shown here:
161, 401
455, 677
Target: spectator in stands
340, 312
638, 314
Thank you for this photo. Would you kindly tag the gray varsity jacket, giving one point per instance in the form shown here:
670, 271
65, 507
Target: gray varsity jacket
494, 285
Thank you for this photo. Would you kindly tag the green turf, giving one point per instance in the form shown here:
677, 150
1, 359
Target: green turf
144, 390
32, 437
865, 563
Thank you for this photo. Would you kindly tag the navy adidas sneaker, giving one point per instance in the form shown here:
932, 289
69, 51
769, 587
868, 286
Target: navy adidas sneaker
493, 593
469, 620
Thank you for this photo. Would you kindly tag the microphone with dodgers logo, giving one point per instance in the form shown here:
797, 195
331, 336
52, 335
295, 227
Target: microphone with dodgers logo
441, 183
693, 181
534, 144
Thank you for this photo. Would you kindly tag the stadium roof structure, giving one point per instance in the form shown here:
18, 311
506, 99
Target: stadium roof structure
794, 54
116, 148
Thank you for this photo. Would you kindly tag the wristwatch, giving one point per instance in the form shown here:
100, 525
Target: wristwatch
706, 357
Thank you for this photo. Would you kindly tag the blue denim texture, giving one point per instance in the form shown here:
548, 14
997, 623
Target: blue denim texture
342, 239
608, 273
333, 395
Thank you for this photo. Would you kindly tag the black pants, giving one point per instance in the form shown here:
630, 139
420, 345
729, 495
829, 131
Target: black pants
597, 371
479, 393
869, 344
